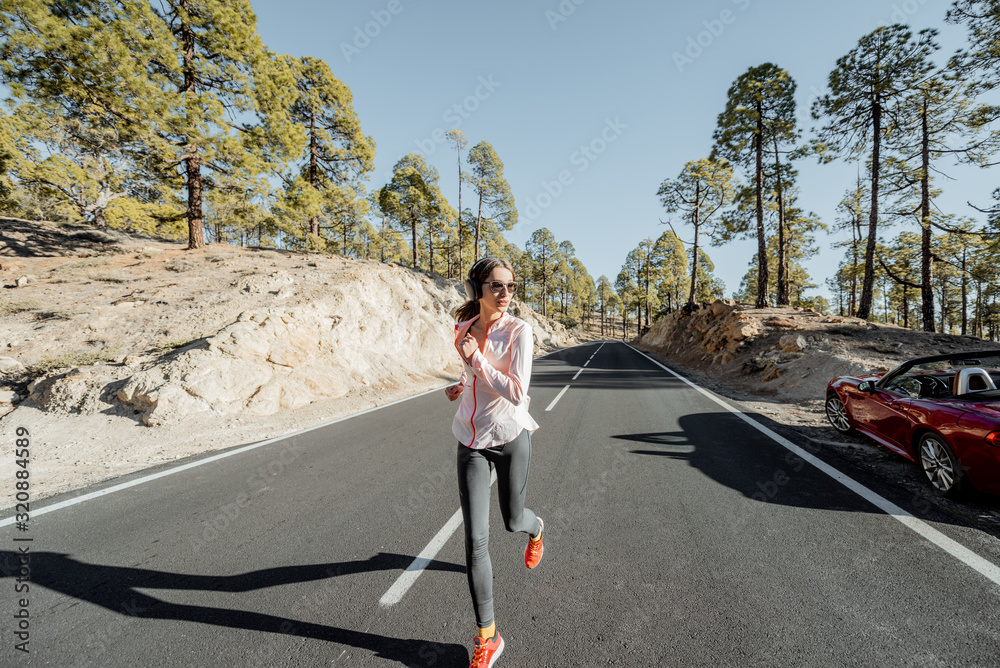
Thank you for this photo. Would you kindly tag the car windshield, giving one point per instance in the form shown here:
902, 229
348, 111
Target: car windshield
987, 362
973, 377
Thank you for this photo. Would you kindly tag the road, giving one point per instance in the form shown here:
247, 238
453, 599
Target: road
677, 534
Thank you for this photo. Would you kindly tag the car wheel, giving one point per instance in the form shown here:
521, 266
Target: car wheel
837, 414
941, 466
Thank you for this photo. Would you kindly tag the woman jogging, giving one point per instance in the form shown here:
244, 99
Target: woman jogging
493, 429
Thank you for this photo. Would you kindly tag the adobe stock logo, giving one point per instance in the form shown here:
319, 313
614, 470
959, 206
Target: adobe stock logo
581, 158
458, 112
363, 35
697, 44
566, 9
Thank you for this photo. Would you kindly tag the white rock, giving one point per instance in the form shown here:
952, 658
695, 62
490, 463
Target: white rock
10, 366
792, 343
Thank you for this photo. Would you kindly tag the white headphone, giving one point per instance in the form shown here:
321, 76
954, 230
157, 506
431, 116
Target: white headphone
473, 288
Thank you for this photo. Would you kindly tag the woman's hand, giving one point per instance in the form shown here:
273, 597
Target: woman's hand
467, 346
454, 392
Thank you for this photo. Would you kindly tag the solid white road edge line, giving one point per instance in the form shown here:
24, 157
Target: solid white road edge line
556, 400
403, 583
987, 568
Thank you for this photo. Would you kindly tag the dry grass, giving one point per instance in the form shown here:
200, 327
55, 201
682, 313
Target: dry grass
110, 278
76, 265
49, 364
19, 306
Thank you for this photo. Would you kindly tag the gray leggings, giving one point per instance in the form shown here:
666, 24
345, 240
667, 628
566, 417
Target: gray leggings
511, 460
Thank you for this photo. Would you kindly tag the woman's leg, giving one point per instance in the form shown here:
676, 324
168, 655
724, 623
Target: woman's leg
474, 492
512, 484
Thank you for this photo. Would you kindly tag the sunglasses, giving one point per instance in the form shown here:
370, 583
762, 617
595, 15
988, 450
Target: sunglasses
496, 286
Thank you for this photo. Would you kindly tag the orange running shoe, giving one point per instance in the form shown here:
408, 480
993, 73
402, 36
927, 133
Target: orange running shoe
533, 553
488, 650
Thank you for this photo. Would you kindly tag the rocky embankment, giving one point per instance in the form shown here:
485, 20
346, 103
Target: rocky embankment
121, 352
788, 354
779, 352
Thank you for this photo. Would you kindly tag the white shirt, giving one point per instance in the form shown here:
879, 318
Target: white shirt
494, 406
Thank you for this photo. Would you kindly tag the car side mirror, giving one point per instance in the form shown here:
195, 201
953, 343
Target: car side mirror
866, 386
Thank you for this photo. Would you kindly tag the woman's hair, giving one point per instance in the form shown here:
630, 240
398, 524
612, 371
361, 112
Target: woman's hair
478, 273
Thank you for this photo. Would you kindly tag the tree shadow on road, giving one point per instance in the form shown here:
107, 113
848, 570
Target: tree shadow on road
719, 445
115, 588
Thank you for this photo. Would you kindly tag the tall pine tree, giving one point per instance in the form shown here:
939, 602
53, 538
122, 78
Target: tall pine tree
868, 85
495, 198
759, 115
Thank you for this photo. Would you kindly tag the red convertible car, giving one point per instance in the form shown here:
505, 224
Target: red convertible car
942, 412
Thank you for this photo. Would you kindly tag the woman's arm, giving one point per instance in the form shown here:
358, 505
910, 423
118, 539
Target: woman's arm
512, 386
455, 391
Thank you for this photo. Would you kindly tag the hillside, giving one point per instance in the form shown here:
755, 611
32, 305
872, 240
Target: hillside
787, 355
121, 352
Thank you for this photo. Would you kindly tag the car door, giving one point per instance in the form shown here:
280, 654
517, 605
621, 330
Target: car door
890, 419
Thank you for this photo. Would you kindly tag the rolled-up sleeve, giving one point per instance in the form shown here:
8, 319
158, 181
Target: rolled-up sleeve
512, 386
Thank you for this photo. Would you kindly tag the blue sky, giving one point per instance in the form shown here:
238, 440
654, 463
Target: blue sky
614, 97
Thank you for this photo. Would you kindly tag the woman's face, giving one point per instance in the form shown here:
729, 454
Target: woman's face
501, 300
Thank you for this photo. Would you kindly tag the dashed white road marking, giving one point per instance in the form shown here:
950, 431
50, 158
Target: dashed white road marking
419, 564
406, 579
556, 400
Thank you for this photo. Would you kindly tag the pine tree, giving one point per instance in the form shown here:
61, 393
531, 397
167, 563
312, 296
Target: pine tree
644, 265
584, 292
759, 114
79, 74
937, 121
413, 199
15, 148
459, 141
187, 84
709, 287
851, 213
628, 297
982, 19
701, 190
604, 292
337, 155
544, 252
868, 85
493, 191
671, 264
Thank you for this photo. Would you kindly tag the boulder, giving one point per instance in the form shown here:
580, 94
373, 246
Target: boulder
793, 343
10, 367
770, 373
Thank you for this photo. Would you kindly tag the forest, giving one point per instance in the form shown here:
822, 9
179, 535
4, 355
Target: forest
173, 118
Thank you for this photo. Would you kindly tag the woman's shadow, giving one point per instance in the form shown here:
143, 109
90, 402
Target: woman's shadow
115, 588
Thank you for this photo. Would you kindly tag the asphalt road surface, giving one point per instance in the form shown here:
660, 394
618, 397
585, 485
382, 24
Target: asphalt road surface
677, 534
